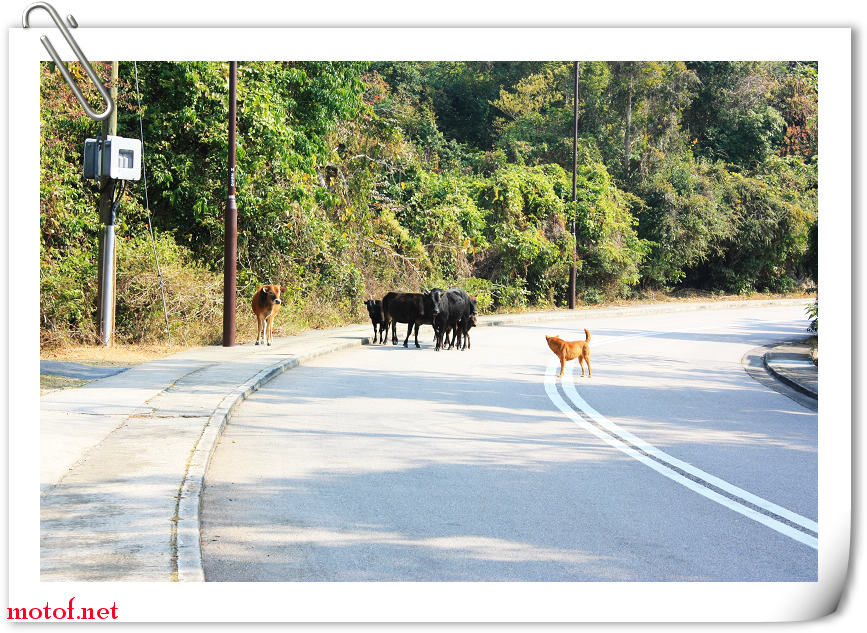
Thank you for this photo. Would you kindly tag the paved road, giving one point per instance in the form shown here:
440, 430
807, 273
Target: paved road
393, 464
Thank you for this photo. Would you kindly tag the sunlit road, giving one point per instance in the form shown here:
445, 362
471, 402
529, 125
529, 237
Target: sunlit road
393, 464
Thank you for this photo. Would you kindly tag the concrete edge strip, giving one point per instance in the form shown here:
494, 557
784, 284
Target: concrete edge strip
794, 384
187, 536
188, 551
753, 362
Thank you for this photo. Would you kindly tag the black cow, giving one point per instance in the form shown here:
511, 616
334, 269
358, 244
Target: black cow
374, 309
462, 329
414, 308
460, 334
452, 310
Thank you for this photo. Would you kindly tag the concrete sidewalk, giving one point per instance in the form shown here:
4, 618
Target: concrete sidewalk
123, 459
118, 455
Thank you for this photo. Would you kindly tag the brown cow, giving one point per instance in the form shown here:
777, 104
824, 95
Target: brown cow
266, 303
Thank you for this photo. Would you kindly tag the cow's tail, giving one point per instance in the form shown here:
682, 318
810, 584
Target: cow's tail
587, 332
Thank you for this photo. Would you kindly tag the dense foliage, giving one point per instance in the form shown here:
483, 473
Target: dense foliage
356, 178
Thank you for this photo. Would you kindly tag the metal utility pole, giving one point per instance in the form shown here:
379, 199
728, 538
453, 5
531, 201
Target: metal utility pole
230, 241
572, 269
106, 275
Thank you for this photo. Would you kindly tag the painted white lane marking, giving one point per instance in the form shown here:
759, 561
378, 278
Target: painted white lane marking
782, 528
569, 388
582, 404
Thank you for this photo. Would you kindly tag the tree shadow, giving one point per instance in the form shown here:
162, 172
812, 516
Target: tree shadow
496, 493
436, 522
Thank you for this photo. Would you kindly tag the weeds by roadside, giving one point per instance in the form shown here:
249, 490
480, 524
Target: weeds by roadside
315, 314
47, 384
814, 349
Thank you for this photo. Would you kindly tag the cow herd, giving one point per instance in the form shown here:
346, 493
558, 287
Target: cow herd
451, 313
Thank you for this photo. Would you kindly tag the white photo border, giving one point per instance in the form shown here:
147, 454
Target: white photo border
447, 602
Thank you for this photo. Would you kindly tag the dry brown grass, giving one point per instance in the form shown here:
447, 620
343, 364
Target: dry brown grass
117, 354
315, 314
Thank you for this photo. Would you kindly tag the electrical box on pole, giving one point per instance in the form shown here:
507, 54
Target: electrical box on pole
108, 160
113, 157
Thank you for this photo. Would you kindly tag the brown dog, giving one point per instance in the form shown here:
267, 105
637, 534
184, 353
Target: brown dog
266, 303
570, 350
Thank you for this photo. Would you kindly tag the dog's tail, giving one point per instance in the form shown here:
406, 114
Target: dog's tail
587, 332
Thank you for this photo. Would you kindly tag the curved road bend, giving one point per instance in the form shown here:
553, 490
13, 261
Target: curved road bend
392, 464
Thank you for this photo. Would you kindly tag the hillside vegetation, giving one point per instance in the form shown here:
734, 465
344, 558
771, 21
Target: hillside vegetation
358, 178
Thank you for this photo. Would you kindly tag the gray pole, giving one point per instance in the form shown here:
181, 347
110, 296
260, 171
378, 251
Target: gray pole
230, 239
572, 268
106, 275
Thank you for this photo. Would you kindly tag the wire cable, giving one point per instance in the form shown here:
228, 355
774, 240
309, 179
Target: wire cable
147, 204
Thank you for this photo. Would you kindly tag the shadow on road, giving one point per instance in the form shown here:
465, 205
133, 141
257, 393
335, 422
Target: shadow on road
476, 522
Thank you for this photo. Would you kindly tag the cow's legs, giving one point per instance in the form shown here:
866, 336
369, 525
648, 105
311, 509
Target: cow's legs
259, 328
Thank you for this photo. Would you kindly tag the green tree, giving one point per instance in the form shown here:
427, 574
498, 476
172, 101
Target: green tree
771, 213
732, 117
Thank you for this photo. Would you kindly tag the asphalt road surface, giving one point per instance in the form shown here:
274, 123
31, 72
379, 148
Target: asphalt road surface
391, 464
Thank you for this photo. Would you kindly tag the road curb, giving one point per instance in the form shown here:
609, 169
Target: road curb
756, 366
794, 384
187, 544
186, 539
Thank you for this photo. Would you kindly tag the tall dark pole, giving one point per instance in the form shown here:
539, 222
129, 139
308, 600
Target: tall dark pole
230, 242
106, 273
572, 269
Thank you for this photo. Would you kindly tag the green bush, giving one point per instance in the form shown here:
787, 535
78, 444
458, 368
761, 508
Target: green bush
67, 296
481, 290
511, 296
593, 296
194, 295
813, 314
771, 214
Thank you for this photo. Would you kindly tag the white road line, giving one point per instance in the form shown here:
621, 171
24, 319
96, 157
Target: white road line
569, 388
582, 404
782, 528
